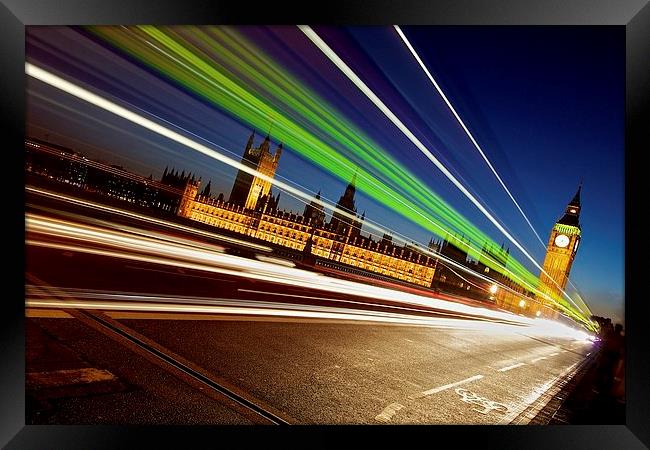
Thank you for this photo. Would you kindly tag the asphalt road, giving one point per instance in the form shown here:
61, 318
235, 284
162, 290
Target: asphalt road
314, 371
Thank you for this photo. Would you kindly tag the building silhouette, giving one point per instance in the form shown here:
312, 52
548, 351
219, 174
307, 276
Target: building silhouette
315, 212
343, 223
248, 188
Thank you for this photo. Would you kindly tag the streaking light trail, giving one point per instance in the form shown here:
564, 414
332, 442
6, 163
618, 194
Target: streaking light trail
174, 53
327, 51
53, 233
469, 134
134, 302
462, 124
225, 239
120, 111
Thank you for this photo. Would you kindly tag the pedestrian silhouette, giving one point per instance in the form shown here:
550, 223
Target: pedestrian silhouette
610, 362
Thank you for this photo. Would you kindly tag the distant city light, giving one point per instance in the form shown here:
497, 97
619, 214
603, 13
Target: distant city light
522, 303
493, 289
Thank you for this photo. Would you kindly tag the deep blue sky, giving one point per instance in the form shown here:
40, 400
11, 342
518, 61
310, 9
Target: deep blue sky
545, 103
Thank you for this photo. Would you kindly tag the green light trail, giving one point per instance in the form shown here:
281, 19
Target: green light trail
225, 69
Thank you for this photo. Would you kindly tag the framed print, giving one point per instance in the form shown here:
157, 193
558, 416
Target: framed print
367, 219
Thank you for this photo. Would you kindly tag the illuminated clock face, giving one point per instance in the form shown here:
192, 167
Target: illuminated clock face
561, 240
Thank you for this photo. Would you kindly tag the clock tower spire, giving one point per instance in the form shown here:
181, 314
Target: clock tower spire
572, 213
560, 253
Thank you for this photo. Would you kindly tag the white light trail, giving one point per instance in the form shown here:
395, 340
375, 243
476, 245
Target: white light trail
63, 298
80, 294
138, 119
338, 62
117, 244
305, 312
476, 145
90, 97
94, 99
92, 205
462, 124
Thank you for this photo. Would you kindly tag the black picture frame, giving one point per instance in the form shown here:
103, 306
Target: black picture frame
634, 15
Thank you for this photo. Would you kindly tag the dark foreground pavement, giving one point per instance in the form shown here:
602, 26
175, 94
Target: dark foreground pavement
312, 372
582, 402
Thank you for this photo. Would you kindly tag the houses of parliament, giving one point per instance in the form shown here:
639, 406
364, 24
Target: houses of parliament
253, 210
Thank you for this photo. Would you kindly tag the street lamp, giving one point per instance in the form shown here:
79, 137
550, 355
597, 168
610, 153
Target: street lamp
522, 303
538, 313
493, 289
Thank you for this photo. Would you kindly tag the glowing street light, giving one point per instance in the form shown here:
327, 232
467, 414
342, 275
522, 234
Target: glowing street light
538, 313
522, 303
493, 289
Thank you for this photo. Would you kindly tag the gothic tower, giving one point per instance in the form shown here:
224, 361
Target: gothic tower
189, 195
315, 212
561, 250
248, 188
341, 224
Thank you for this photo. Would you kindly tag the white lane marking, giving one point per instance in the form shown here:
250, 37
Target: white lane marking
409, 340
387, 414
538, 359
447, 386
564, 351
514, 366
47, 313
553, 354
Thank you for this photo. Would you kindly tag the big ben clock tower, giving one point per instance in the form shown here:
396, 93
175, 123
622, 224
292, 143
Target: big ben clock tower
561, 250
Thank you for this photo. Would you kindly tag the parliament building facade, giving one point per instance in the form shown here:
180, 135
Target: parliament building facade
252, 210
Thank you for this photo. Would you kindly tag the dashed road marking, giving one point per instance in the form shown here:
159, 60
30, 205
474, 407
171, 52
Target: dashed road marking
47, 313
514, 366
68, 377
447, 386
553, 354
387, 414
538, 359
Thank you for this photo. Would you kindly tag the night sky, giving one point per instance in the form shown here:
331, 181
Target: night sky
546, 104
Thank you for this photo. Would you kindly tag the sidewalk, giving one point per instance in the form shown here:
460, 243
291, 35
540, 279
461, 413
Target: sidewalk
581, 403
